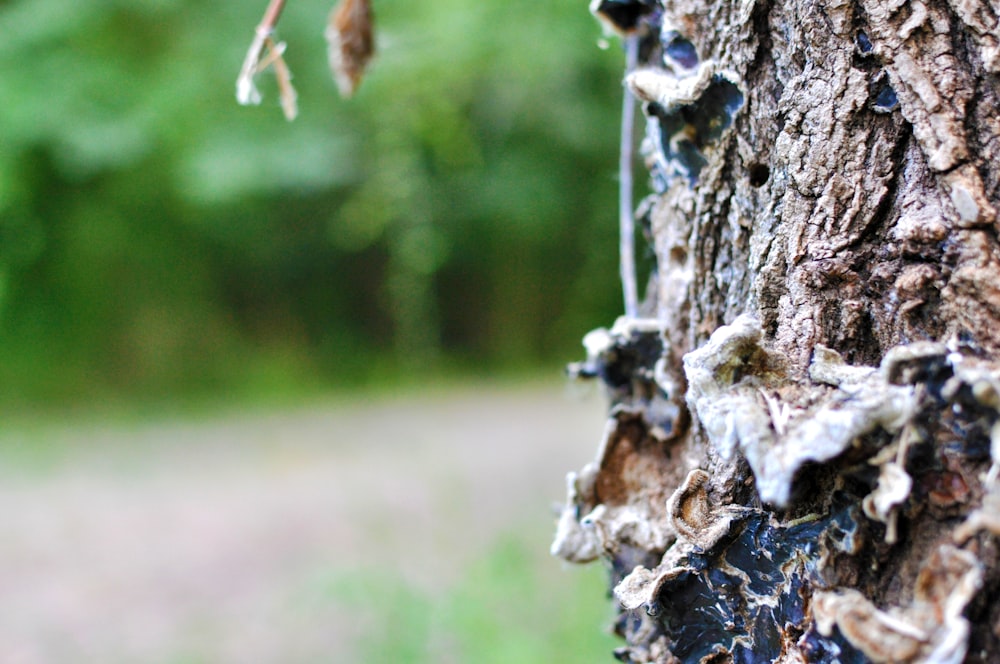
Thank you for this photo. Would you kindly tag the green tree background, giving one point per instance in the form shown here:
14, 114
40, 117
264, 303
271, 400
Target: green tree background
157, 239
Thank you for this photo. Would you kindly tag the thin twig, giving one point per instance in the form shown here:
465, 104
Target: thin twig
271, 15
626, 220
286, 91
246, 89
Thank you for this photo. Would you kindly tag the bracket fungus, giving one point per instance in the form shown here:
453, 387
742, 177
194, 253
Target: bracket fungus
687, 109
725, 378
931, 629
730, 552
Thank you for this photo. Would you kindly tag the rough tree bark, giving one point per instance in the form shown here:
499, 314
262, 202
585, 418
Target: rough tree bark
800, 462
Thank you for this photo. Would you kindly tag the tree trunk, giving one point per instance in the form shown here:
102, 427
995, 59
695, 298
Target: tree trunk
800, 463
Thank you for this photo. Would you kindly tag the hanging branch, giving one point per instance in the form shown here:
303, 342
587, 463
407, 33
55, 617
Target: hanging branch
351, 46
264, 52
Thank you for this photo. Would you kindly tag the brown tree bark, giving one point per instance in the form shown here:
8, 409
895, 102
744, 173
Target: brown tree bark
800, 463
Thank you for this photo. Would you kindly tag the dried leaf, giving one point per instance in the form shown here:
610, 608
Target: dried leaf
351, 45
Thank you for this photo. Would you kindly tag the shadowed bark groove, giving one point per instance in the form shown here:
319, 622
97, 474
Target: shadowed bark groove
802, 452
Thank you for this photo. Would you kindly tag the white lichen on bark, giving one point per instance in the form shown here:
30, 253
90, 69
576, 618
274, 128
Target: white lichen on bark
724, 380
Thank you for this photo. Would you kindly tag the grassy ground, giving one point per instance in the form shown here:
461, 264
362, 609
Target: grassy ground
410, 528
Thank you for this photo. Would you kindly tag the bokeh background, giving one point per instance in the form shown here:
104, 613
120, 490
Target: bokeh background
291, 392
158, 239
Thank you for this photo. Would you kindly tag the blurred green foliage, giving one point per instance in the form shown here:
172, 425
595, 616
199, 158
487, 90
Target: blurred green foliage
511, 606
156, 238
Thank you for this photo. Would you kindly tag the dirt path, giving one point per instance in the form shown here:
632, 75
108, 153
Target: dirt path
179, 542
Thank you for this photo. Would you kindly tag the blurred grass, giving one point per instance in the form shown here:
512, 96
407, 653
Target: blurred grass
512, 606
394, 530
38, 423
